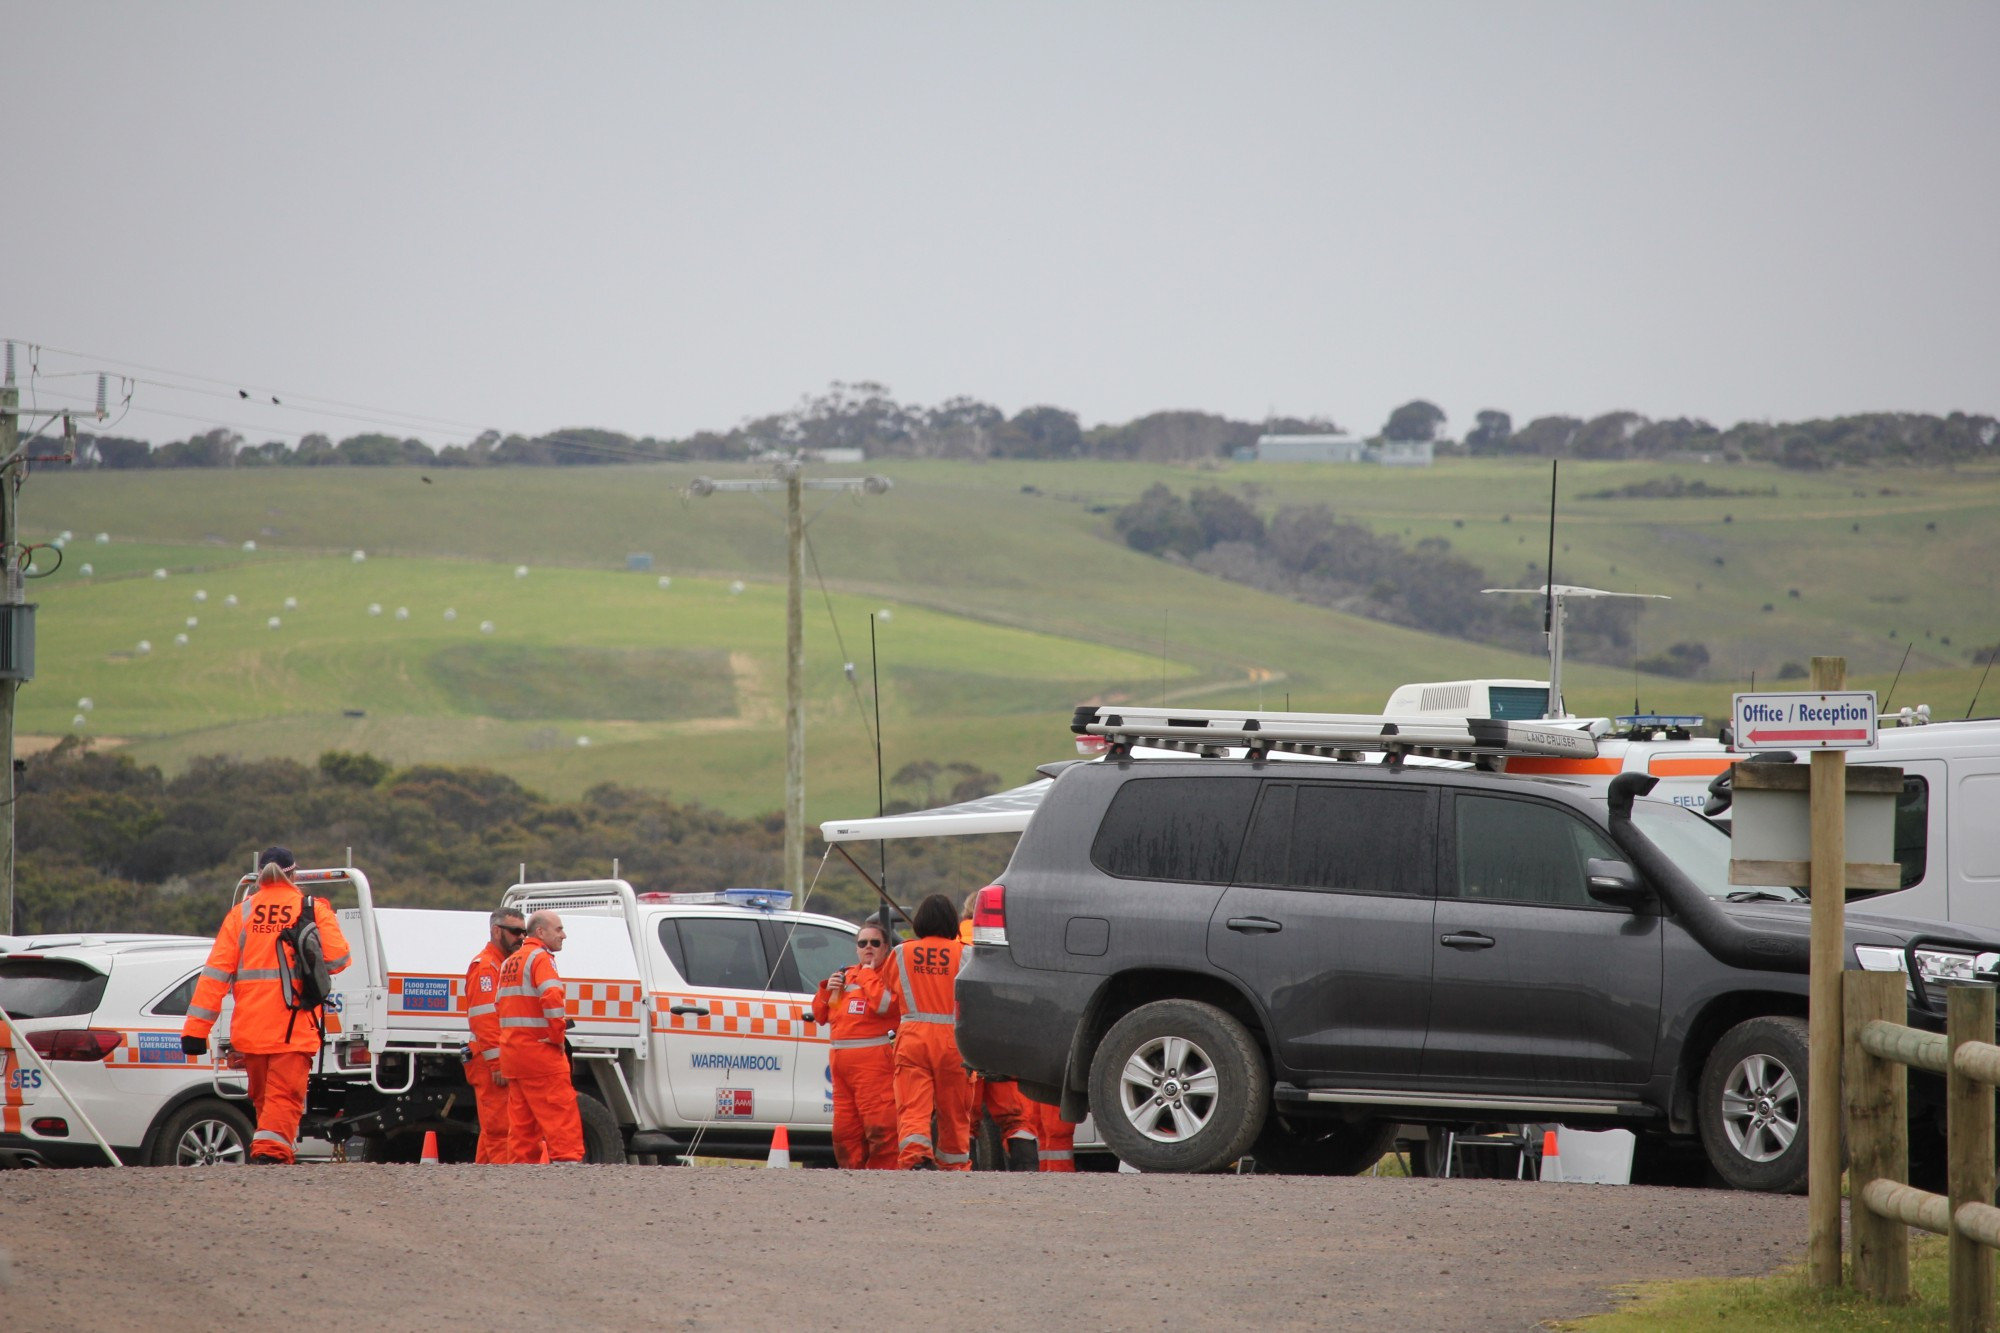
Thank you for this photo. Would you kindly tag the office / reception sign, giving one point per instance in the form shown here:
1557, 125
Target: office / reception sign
1805, 720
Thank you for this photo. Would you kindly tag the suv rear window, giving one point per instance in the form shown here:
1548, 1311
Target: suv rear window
49, 987
1187, 829
1324, 835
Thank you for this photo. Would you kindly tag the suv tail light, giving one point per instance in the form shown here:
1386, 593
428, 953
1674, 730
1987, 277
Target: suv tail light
989, 915
75, 1043
51, 1127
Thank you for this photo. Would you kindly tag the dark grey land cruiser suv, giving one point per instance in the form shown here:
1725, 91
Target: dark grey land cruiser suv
1221, 956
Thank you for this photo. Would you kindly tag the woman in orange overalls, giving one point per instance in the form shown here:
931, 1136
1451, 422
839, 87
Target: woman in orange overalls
862, 1017
931, 1082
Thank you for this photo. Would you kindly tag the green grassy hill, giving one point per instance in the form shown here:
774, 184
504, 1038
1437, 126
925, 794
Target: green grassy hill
1009, 603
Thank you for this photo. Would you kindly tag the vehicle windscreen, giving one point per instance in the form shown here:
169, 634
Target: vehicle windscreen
48, 987
1700, 849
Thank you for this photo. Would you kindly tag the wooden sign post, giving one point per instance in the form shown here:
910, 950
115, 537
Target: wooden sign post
1829, 954
1826, 721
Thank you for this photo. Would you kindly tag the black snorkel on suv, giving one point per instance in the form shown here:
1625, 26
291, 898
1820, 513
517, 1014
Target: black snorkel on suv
1728, 940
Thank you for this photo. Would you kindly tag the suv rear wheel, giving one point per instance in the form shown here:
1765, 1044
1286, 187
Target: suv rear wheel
1753, 1105
1178, 1085
203, 1133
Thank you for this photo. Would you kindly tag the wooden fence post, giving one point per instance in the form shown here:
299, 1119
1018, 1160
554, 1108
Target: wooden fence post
1878, 1137
1969, 1104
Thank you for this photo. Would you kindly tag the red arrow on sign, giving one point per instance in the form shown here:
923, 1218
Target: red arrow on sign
1762, 737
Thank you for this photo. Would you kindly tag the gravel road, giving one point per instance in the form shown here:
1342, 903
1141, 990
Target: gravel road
625, 1247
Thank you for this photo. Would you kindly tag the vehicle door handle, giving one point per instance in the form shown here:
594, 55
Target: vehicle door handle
1466, 939
1255, 925
699, 1010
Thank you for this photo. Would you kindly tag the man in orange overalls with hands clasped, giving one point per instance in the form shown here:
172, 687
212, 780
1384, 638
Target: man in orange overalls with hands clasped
861, 1017
930, 1075
541, 1101
482, 1054
276, 1043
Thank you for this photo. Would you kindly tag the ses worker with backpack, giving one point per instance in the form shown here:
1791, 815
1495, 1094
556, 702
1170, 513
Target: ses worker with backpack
274, 957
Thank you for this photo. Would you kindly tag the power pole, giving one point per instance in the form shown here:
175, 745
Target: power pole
790, 477
17, 615
10, 401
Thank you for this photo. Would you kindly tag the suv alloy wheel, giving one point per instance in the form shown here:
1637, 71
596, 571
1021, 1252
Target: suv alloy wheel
1178, 1085
1753, 1105
204, 1133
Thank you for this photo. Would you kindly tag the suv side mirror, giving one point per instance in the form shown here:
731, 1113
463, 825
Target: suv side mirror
1613, 883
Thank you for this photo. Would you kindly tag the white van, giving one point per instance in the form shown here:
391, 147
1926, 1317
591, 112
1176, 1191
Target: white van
1947, 820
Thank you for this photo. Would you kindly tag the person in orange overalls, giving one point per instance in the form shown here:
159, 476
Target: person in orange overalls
482, 1054
1000, 1099
931, 1082
1056, 1135
276, 1043
541, 1101
862, 1017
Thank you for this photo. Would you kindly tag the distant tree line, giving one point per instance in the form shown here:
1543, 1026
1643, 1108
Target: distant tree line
866, 416
1308, 553
107, 844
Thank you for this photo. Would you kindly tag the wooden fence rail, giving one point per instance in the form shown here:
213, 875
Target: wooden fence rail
1880, 1052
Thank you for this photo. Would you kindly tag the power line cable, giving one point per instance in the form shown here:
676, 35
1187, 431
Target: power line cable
239, 385
847, 663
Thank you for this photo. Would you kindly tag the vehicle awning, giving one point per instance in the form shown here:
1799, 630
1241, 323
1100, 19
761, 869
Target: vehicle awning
1002, 812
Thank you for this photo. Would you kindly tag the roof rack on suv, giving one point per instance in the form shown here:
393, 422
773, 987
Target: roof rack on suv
1335, 735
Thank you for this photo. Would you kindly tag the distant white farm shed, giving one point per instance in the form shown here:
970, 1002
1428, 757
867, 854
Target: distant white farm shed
1339, 448
1329, 448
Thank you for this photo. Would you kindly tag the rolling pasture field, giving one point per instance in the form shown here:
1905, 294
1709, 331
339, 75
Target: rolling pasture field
1010, 600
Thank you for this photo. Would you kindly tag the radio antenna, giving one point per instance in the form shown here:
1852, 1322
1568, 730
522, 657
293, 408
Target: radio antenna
1898, 676
1978, 689
881, 805
1549, 570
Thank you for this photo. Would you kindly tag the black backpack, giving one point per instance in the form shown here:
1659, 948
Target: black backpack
302, 974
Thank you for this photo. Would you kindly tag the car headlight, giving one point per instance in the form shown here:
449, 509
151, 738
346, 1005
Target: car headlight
1950, 965
1876, 958
1935, 967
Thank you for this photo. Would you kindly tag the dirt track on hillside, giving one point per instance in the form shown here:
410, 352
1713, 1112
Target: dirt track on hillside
410, 1247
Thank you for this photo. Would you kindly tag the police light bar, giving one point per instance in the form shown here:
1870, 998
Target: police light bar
1338, 735
1653, 721
759, 900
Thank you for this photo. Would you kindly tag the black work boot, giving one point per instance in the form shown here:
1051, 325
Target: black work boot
1023, 1155
923, 1164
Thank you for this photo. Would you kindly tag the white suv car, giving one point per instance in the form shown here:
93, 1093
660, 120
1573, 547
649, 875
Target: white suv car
104, 1013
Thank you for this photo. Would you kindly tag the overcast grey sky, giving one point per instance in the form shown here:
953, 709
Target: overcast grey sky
658, 218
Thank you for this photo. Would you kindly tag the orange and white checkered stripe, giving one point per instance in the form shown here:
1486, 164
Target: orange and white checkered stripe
592, 999
605, 1001
756, 1020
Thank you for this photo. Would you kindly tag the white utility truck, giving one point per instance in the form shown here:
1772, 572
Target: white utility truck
693, 1021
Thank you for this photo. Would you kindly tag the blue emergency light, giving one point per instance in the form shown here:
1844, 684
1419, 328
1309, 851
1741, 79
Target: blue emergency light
757, 900
1655, 721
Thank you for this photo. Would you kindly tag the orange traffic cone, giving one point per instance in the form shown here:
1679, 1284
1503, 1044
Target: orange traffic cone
543, 1160
781, 1148
1552, 1167
430, 1153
